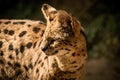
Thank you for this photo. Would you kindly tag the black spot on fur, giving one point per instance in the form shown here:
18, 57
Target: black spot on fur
82, 50
22, 33
10, 47
1, 62
73, 62
3, 71
73, 54
10, 56
37, 70
11, 32
1, 43
54, 65
34, 45
46, 57
39, 62
9, 64
18, 72
78, 54
1, 53
30, 66
42, 64
67, 49
17, 65
7, 22
84, 54
22, 48
26, 68
16, 51
29, 25
5, 31
36, 29
19, 22
28, 45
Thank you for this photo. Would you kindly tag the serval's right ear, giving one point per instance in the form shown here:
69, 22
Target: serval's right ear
48, 11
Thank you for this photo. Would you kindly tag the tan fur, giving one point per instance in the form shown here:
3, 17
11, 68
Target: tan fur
31, 50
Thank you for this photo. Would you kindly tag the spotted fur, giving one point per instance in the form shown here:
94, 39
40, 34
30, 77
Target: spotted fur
31, 50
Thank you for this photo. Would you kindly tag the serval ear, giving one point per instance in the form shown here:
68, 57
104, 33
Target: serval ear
76, 25
48, 12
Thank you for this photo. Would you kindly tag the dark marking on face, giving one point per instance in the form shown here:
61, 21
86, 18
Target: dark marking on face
16, 51
17, 65
73, 54
7, 22
26, 68
5, 31
9, 64
34, 45
37, 70
11, 32
1, 43
10, 47
21, 22
36, 29
1, 53
30, 66
22, 48
46, 57
10, 57
28, 45
22, 33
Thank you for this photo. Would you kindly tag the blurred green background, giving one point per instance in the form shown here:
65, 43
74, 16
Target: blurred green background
101, 20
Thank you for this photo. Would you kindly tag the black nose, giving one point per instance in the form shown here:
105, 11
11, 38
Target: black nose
47, 44
44, 48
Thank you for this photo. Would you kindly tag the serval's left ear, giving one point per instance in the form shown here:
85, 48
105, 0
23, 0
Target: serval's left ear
48, 11
76, 25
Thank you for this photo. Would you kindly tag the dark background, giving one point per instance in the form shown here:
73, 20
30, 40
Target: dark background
101, 20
